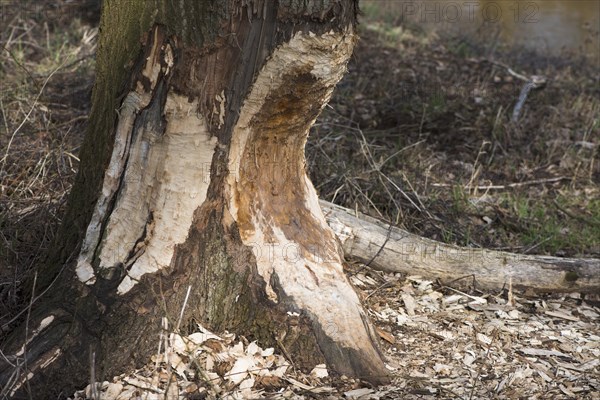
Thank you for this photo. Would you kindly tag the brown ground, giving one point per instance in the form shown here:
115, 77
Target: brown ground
420, 128
415, 133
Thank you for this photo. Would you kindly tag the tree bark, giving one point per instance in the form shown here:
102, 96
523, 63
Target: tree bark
390, 249
192, 180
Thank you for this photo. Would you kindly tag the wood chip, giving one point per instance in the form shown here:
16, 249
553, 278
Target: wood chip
358, 393
562, 315
530, 351
387, 336
409, 303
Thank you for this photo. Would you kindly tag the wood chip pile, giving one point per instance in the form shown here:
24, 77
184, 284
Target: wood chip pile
438, 342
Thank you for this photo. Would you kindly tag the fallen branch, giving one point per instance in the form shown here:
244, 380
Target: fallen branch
507, 186
392, 249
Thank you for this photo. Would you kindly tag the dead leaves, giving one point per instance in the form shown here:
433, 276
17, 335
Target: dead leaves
451, 344
438, 342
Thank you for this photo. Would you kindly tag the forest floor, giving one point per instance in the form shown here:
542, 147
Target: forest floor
420, 133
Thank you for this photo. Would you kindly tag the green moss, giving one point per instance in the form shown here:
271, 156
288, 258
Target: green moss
571, 276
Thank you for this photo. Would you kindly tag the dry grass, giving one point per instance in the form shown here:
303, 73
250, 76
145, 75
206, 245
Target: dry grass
419, 132
46, 71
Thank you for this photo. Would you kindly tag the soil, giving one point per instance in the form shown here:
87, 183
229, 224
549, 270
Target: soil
419, 132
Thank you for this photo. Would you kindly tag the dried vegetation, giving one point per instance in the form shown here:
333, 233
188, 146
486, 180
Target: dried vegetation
419, 133
46, 76
439, 343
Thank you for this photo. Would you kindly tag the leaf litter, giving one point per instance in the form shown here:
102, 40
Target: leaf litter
437, 342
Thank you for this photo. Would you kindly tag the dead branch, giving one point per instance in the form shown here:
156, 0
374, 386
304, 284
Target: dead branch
392, 249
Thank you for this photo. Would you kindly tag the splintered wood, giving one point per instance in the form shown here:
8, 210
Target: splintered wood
157, 177
439, 343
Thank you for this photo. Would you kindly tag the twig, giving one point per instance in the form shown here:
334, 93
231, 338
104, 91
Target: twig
538, 79
533, 82
187, 295
516, 74
474, 298
27, 333
521, 101
575, 216
41, 294
387, 238
538, 244
285, 353
487, 353
476, 167
382, 286
510, 185
447, 284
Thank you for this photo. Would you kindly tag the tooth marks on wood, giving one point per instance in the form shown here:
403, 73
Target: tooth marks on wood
275, 205
140, 126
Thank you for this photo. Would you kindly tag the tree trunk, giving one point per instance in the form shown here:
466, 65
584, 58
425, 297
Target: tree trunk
192, 180
388, 248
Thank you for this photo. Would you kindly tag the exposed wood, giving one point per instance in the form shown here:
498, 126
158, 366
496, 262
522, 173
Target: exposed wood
276, 208
392, 249
204, 211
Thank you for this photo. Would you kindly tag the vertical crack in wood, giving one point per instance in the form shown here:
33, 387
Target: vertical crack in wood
157, 65
132, 104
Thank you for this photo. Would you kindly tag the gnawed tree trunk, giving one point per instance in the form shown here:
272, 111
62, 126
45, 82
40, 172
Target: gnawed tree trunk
388, 248
193, 176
